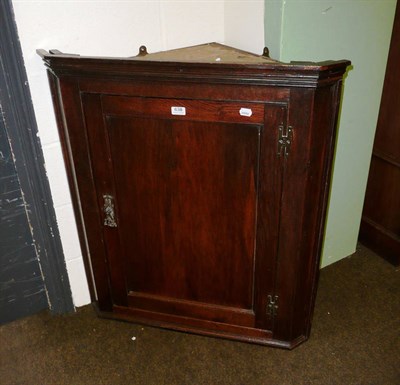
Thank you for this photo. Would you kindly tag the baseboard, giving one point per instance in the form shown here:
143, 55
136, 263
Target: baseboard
383, 242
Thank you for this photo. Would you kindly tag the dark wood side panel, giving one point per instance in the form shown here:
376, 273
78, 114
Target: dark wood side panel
387, 137
306, 180
380, 225
322, 142
70, 120
63, 134
294, 212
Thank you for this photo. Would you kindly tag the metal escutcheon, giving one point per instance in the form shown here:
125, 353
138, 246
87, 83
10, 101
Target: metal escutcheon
109, 213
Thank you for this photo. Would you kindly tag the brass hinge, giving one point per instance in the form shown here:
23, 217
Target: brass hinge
285, 139
272, 306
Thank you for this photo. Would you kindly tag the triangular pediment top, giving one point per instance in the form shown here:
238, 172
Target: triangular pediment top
205, 53
211, 60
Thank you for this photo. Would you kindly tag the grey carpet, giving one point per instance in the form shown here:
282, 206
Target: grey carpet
355, 339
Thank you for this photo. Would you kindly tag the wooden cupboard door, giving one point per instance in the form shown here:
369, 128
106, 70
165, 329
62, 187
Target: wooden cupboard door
184, 191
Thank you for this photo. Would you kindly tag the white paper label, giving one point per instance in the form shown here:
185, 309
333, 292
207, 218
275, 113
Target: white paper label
178, 110
245, 112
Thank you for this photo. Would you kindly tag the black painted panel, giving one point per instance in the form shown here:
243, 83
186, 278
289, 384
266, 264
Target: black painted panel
22, 291
22, 131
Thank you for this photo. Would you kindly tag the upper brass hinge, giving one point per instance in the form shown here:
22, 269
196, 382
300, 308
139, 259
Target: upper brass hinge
285, 139
272, 305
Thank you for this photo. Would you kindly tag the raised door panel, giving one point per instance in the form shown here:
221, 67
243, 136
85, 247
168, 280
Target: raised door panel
186, 198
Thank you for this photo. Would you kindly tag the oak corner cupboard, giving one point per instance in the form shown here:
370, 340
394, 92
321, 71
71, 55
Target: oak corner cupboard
200, 178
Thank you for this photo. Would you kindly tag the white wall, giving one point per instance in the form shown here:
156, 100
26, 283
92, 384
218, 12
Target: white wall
115, 28
244, 25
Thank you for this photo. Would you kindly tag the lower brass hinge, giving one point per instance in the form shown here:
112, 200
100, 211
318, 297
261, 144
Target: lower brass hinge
285, 139
272, 306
